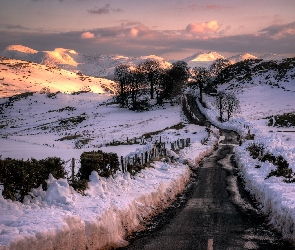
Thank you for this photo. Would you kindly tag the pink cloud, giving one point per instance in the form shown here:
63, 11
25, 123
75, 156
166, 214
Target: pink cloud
87, 35
280, 31
284, 33
134, 32
201, 28
139, 32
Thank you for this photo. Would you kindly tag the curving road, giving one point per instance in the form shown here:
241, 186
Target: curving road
218, 213
215, 212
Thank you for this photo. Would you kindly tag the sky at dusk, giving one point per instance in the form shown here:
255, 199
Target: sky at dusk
172, 29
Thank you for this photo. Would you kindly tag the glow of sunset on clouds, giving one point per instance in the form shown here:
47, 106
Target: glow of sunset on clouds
87, 35
199, 28
163, 28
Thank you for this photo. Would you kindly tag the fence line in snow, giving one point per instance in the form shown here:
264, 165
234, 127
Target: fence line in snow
137, 160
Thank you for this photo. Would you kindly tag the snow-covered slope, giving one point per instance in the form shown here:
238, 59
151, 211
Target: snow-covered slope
202, 59
92, 65
274, 73
241, 57
17, 76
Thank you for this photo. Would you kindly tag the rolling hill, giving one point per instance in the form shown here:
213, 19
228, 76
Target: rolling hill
17, 76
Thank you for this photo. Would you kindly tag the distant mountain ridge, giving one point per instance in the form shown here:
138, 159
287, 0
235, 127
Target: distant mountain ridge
104, 65
92, 65
241, 57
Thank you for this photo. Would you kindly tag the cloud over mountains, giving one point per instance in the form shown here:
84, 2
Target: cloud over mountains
135, 39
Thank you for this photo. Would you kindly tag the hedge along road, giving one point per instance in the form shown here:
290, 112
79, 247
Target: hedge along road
215, 212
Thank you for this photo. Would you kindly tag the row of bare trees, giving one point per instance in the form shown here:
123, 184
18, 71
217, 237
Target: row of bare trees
149, 80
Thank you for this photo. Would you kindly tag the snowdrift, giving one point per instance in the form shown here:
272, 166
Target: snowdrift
276, 198
111, 209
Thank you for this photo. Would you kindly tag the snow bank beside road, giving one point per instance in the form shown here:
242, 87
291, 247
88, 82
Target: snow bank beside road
60, 218
276, 198
63, 219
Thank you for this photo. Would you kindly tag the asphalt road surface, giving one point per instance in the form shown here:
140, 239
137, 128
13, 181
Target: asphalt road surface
215, 212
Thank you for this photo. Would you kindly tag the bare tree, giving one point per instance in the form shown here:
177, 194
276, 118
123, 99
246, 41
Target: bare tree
220, 102
218, 65
122, 77
202, 78
135, 87
227, 102
233, 104
151, 70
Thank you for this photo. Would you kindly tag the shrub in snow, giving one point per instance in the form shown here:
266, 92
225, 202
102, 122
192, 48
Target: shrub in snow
105, 164
79, 185
45, 90
284, 120
282, 169
20, 177
257, 151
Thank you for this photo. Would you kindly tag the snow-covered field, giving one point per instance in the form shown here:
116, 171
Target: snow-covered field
65, 125
112, 208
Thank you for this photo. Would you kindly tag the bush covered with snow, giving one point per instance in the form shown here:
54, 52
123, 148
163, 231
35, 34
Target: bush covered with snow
105, 164
19, 177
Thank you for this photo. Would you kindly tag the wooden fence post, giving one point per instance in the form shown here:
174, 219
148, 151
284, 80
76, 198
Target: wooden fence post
122, 164
73, 169
142, 159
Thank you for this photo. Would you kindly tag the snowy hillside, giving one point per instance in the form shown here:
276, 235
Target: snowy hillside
92, 65
274, 73
241, 57
18, 76
202, 59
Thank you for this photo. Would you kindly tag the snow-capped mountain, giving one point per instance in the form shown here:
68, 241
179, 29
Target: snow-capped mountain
104, 65
92, 65
19, 52
241, 57
200, 59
